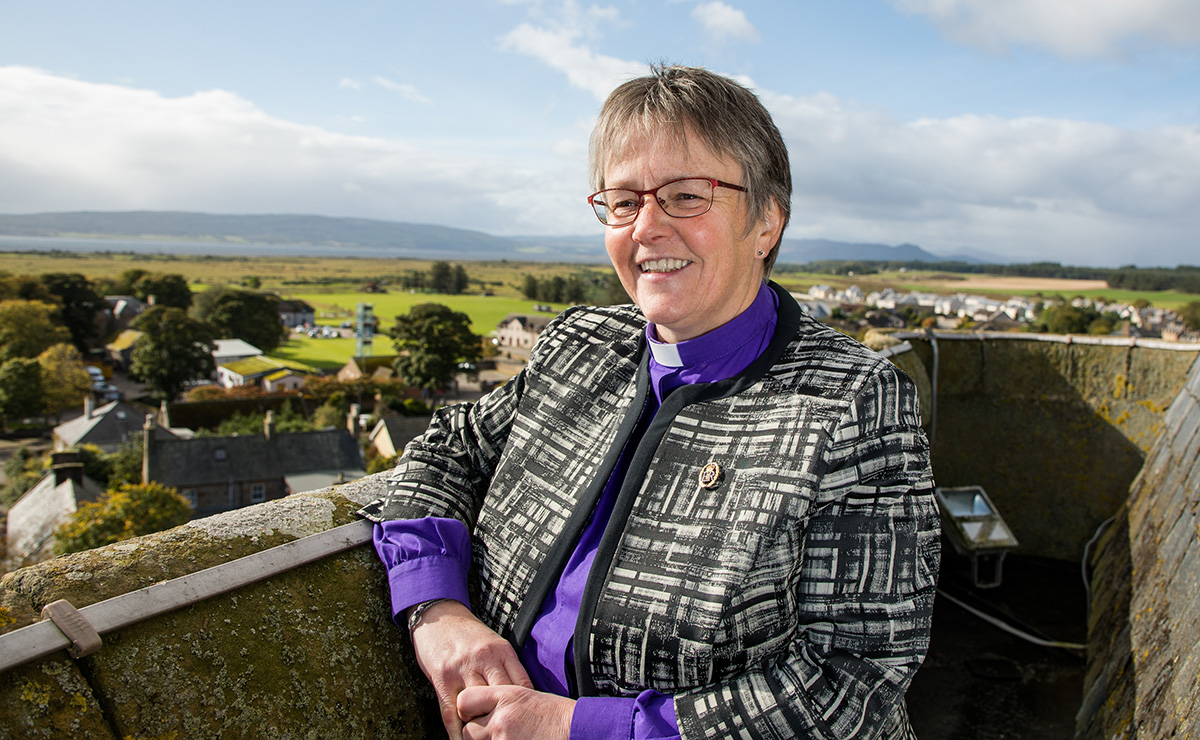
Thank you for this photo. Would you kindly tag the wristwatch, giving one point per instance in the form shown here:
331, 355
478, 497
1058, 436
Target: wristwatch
418, 611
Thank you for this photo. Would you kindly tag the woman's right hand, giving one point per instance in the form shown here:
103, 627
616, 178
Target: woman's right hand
456, 650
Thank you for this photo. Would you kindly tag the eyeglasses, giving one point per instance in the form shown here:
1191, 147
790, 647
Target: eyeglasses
684, 198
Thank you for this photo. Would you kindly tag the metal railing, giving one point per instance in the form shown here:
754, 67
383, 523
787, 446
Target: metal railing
47, 636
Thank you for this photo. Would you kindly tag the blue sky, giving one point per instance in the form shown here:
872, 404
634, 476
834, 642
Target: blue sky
1065, 130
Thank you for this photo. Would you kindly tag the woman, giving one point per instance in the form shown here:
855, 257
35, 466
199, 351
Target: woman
704, 516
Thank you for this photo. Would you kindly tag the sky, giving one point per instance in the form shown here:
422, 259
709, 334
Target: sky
1026, 130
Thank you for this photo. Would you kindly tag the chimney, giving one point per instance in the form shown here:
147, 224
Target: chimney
89, 406
147, 447
67, 467
269, 425
352, 420
164, 415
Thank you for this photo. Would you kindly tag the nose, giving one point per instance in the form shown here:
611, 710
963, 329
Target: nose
651, 220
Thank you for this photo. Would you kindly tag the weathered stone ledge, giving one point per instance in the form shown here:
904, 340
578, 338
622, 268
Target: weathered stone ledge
311, 653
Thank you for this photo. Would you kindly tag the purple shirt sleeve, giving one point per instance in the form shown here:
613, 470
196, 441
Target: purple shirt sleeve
648, 716
425, 559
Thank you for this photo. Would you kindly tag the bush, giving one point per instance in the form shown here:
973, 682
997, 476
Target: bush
131, 510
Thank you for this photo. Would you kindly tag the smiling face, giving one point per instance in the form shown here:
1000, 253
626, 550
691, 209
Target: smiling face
688, 275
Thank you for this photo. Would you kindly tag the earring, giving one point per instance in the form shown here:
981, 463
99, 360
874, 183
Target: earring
761, 253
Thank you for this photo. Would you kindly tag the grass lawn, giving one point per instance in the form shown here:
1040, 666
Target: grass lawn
485, 311
327, 354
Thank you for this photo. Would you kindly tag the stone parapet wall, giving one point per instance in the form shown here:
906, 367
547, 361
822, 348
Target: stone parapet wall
1144, 631
311, 653
1055, 431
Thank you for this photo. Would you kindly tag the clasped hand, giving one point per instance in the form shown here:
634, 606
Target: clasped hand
483, 690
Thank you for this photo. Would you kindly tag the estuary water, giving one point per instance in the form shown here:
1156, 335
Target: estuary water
181, 247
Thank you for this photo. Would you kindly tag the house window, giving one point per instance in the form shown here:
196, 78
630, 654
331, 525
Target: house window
258, 493
192, 496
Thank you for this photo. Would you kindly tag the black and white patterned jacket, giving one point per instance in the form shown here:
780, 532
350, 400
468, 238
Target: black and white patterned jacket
790, 599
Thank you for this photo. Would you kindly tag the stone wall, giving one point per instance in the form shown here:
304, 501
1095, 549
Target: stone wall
1055, 432
1144, 631
309, 654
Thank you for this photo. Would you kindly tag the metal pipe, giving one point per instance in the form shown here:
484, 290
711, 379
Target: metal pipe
44, 638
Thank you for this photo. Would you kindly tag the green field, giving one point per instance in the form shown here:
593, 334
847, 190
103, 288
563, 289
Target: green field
485, 311
327, 354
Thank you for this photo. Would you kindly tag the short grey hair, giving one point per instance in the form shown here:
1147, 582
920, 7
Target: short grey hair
677, 101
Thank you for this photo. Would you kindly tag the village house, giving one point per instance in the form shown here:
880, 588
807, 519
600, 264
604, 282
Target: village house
393, 432
107, 427
33, 519
269, 373
120, 350
295, 313
123, 309
520, 329
222, 473
232, 350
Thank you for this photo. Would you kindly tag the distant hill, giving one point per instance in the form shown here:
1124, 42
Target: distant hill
360, 236
817, 250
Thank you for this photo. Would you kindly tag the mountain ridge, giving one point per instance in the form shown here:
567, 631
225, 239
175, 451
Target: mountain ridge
343, 234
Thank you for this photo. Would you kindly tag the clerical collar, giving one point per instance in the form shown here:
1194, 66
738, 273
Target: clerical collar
722, 341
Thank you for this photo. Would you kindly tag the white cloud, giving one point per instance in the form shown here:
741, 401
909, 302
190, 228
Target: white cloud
409, 92
1073, 28
722, 22
74, 145
1024, 188
349, 83
584, 68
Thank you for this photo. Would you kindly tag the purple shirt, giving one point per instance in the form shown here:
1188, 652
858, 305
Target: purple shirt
429, 558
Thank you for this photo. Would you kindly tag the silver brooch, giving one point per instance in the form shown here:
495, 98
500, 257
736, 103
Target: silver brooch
711, 475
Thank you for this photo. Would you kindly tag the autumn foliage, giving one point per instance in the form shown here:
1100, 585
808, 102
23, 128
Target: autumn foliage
128, 511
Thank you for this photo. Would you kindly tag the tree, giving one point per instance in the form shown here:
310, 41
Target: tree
80, 306
28, 328
441, 278
20, 388
130, 510
432, 340
23, 470
166, 289
614, 292
1064, 318
174, 348
1190, 315
250, 316
529, 287
24, 287
65, 382
459, 282
125, 464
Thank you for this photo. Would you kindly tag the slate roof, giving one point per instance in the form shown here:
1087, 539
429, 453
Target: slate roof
400, 429
32, 520
529, 322
109, 426
234, 348
287, 305
202, 461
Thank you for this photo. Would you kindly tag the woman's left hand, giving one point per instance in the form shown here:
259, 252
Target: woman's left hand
513, 713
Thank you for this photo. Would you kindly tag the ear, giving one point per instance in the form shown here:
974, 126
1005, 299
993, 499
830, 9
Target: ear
768, 230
